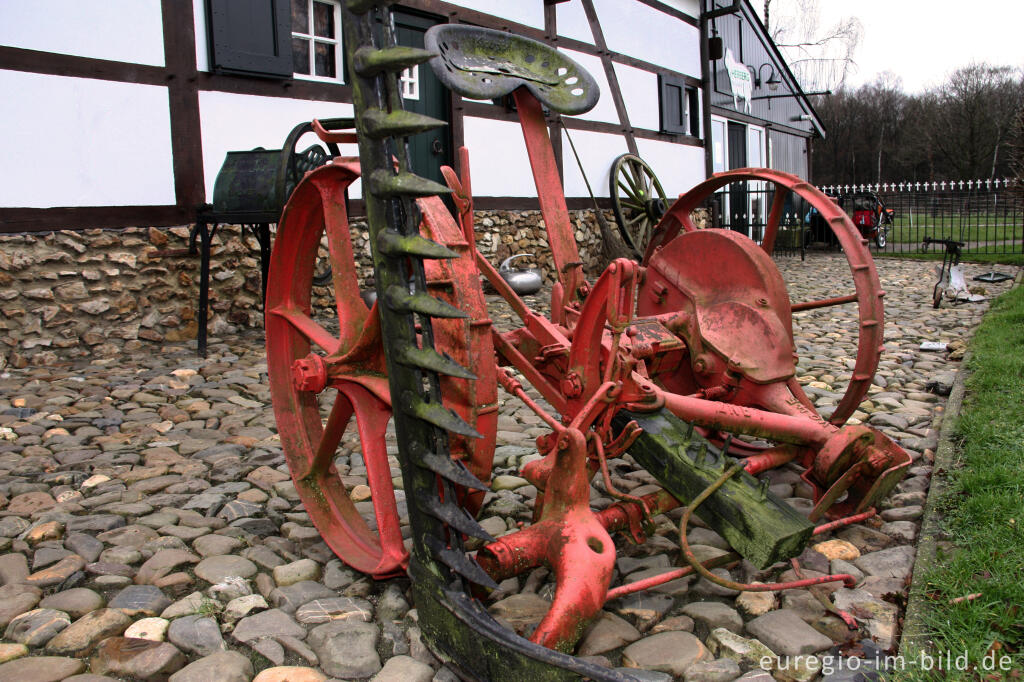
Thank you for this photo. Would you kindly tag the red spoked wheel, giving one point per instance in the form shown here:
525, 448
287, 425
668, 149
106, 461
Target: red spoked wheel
867, 293
306, 358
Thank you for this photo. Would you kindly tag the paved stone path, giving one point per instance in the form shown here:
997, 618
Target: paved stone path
148, 526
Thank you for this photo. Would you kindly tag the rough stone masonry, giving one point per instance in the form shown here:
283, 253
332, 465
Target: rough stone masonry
100, 292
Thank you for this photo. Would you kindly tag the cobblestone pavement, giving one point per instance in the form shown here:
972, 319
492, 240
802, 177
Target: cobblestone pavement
148, 526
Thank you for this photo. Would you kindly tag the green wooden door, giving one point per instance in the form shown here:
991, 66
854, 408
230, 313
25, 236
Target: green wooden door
424, 94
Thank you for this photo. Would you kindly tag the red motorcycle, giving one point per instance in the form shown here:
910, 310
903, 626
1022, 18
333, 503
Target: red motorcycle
871, 217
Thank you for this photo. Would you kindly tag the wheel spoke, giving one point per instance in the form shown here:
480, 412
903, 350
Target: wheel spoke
625, 172
824, 303
352, 313
628, 190
333, 430
308, 328
645, 232
656, 187
798, 392
638, 179
372, 420
645, 181
637, 228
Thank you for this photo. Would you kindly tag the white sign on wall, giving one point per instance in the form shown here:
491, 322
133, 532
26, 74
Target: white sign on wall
739, 81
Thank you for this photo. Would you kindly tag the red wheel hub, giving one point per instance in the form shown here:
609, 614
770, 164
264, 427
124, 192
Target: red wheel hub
310, 373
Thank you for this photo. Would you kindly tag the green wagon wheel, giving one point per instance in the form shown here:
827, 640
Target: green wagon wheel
638, 200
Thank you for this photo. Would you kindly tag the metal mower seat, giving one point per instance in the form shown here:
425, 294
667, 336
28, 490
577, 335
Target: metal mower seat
481, 63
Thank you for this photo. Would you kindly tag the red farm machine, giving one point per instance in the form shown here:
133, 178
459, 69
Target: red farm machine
685, 360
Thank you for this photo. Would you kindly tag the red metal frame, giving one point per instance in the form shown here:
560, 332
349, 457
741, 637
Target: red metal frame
675, 332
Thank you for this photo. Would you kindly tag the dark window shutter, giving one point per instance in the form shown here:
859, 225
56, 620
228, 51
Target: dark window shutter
672, 96
251, 37
691, 96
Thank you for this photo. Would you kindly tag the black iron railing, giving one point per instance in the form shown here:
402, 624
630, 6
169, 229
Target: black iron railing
987, 215
744, 207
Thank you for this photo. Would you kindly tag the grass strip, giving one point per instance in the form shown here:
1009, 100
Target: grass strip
982, 516
968, 256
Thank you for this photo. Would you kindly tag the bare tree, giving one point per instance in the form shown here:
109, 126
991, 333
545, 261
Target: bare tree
1017, 155
819, 56
963, 129
886, 104
1017, 149
975, 110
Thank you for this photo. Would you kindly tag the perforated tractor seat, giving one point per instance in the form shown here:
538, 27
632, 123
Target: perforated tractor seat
481, 63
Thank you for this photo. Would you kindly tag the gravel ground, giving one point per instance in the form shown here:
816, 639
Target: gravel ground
149, 528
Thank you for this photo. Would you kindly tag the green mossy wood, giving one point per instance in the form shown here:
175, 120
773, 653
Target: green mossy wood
758, 525
455, 626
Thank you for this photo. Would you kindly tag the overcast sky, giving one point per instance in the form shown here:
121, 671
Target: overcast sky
924, 40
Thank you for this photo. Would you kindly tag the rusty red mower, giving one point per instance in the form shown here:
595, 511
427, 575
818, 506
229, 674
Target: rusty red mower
686, 361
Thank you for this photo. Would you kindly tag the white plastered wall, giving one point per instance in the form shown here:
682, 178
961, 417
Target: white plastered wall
640, 94
678, 167
526, 12
636, 30
597, 151
118, 30
83, 142
571, 20
231, 122
498, 160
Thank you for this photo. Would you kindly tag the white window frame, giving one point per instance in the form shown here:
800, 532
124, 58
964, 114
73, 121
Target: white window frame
720, 124
756, 135
313, 40
410, 82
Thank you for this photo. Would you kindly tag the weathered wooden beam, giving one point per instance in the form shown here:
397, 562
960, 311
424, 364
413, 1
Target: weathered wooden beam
758, 524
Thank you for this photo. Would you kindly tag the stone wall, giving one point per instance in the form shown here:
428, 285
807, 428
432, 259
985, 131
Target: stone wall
501, 234
95, 292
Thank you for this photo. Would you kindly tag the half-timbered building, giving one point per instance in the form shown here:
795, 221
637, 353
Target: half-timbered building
120, 112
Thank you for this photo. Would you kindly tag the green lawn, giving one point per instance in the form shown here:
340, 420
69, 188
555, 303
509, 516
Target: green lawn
969, 256
982, 511
970, 229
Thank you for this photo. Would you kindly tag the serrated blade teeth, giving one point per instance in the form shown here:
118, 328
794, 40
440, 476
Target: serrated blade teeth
379, 124
387, 184
460, 563
394, 244
429, 359
449, 469
454, 516
400, 300
369, 61
437, 414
